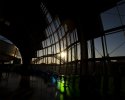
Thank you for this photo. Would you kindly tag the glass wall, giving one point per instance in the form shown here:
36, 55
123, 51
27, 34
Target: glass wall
109, 48
61, 46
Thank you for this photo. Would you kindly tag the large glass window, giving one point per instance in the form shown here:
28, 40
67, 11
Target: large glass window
61, 45
111, 19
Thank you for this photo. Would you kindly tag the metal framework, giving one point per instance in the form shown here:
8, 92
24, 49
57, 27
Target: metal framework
61, 39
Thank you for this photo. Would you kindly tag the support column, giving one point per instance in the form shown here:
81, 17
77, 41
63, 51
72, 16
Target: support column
84, 62
25, 77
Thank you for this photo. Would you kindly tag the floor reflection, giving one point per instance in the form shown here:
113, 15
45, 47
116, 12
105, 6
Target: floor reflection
56, 88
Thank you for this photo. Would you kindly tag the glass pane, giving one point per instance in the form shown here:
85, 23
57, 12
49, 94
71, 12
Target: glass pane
43, 44
68, 39
56, 23
73, 58
76, 35
64, 42
51, 42
54, 48
98, 48
110, 19
116, 44
72, 38
65, 27
52, 38
50, 30
49, 18
49, 50
48, 42
64, 56
46, 51
79, 51
59, 33
62, 30
89, 49
121, 9
69, 57
61, 43
44, 60
43, 52
46, 32
49, 60
57, 48
40, 53
56, 37
53, 27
